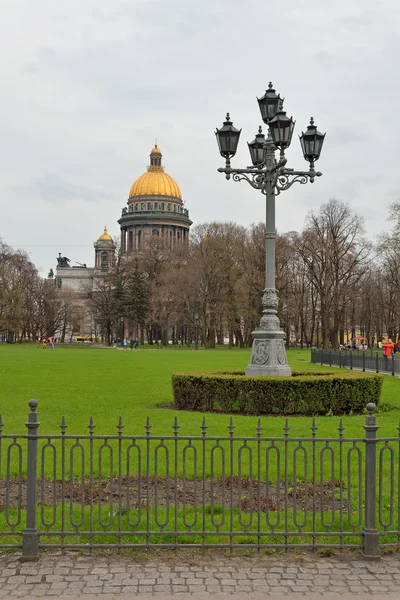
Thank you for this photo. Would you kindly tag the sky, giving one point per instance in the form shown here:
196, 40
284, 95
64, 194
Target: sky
88, 85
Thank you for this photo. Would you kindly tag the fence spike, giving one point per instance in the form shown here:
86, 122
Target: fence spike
286, 429
91, 426
204, 426
314, 428
63, 426
259, 427
341, 428
176, 425
120, 426
231, 427
148, 426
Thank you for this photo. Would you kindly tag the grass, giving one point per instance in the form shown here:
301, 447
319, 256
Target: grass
81, 382
108, 383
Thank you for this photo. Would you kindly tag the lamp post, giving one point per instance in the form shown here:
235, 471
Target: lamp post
196, 341
271, 177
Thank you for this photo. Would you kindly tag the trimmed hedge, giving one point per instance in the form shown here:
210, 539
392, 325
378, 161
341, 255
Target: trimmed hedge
306, 393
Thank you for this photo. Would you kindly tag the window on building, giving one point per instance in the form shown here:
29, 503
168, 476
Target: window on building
139, 240
142, 206
136, 206
155, 205
174, 207
156, 232
149, 206
104, 260
130, 240
162, 205
59, 282
169, 207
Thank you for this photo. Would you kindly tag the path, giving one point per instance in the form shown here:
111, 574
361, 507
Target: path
74, 576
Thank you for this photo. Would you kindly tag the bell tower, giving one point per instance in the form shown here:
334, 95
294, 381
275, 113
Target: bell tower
104, 252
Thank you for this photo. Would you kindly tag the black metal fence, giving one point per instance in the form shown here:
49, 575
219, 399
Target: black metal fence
357, 360
123, 491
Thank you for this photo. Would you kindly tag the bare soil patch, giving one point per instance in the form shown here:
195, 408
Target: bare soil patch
244, 493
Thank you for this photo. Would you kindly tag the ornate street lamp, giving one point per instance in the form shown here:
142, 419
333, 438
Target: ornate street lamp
227, 139
269, 104
257, 148
271, 177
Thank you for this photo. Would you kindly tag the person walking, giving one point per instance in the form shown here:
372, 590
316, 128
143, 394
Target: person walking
388, 348
51, 342
125, 343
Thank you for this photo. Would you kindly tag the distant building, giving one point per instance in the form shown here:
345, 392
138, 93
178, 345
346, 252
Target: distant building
155, 214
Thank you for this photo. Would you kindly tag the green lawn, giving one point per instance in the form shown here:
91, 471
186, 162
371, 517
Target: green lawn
80, 382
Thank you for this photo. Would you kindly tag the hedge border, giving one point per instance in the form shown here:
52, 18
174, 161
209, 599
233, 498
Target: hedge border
304, 393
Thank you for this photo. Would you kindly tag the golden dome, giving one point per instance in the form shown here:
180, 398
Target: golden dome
104, 236
155, 182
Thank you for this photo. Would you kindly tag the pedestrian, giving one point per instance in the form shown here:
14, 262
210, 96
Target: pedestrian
388, 348
136, 344
125, 343
51, 343
44, 343
132, 343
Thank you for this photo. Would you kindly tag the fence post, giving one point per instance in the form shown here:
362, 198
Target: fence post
30, 538
377, 362
322, 357
351, 360
371, 547
393, 365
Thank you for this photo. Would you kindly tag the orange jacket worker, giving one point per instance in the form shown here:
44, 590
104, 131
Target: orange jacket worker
388, 348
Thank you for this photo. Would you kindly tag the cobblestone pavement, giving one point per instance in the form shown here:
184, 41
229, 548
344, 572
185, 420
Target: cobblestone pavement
116, 577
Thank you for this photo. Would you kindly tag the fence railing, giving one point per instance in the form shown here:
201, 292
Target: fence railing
140, 491
357, 360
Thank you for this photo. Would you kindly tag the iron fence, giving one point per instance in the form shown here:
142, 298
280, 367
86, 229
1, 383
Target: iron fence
356, 360
172, 490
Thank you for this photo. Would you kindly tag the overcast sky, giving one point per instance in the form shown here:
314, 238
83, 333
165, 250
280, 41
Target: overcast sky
87, 85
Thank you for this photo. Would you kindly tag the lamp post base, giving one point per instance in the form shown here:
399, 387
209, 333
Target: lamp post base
268, 354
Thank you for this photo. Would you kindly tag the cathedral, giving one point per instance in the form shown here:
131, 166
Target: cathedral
155, 212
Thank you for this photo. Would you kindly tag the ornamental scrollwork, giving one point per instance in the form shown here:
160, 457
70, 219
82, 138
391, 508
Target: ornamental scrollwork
256, 180
280, 352
284, 182
270, 300
260, 352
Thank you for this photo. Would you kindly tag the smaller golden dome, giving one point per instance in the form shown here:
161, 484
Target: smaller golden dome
156, 150
105, 236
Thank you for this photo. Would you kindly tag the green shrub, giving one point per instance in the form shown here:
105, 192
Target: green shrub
306, 393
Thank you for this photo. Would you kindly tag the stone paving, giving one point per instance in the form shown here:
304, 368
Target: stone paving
112, 577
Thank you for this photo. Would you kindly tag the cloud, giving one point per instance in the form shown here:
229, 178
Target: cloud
88, 86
